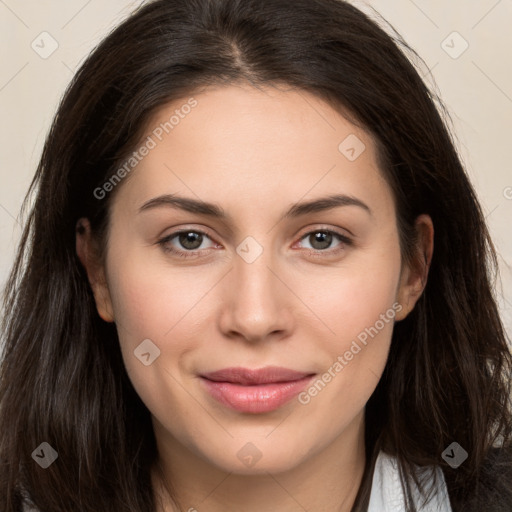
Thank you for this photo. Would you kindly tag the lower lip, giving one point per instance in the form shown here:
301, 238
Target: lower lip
258, 398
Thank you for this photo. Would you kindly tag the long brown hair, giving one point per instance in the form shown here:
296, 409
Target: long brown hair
62, 378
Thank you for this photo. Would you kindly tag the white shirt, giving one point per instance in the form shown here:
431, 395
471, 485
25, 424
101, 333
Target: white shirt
387, 494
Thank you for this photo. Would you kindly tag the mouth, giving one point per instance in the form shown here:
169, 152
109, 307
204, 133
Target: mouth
255, 391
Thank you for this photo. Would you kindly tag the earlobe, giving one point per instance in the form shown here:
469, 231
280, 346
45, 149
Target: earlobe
87, 254
414, 276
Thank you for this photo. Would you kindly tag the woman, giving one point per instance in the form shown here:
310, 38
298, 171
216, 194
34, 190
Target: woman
255, 277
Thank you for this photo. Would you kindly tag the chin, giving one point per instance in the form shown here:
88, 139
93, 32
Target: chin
245, 458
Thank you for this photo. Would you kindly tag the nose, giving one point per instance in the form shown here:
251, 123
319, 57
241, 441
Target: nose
256, 303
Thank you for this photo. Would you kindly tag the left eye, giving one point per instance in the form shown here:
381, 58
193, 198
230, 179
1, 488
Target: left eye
322, 239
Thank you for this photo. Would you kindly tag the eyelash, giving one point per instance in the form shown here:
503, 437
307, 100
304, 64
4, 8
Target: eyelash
345, 241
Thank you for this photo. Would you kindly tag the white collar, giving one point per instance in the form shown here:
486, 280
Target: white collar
387, 494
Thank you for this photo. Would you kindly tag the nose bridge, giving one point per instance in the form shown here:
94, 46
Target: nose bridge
257, 303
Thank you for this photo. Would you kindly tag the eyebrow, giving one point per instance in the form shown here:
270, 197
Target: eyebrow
212, 210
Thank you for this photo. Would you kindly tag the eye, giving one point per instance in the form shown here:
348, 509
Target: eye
321, 241
187, 243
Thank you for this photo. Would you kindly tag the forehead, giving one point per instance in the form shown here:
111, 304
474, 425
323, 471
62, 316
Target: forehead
248, 144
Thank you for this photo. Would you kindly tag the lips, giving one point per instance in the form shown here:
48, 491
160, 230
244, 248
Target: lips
255, 391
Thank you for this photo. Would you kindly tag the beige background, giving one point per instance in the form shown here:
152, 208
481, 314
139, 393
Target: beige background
476, 86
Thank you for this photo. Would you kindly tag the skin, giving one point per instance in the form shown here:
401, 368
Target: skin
255, 153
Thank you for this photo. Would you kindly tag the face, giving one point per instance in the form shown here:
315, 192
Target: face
256, 280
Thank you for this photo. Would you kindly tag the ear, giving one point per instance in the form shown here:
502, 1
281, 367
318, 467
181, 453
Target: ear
87, 251
413, 278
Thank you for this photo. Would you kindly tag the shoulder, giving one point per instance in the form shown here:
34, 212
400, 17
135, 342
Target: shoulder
387, 494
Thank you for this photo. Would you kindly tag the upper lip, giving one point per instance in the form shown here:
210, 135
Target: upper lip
247, 377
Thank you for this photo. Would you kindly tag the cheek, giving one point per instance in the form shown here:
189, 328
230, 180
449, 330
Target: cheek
351, 298
353, 361
156, 306
150, 298
152, 303
359, 308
